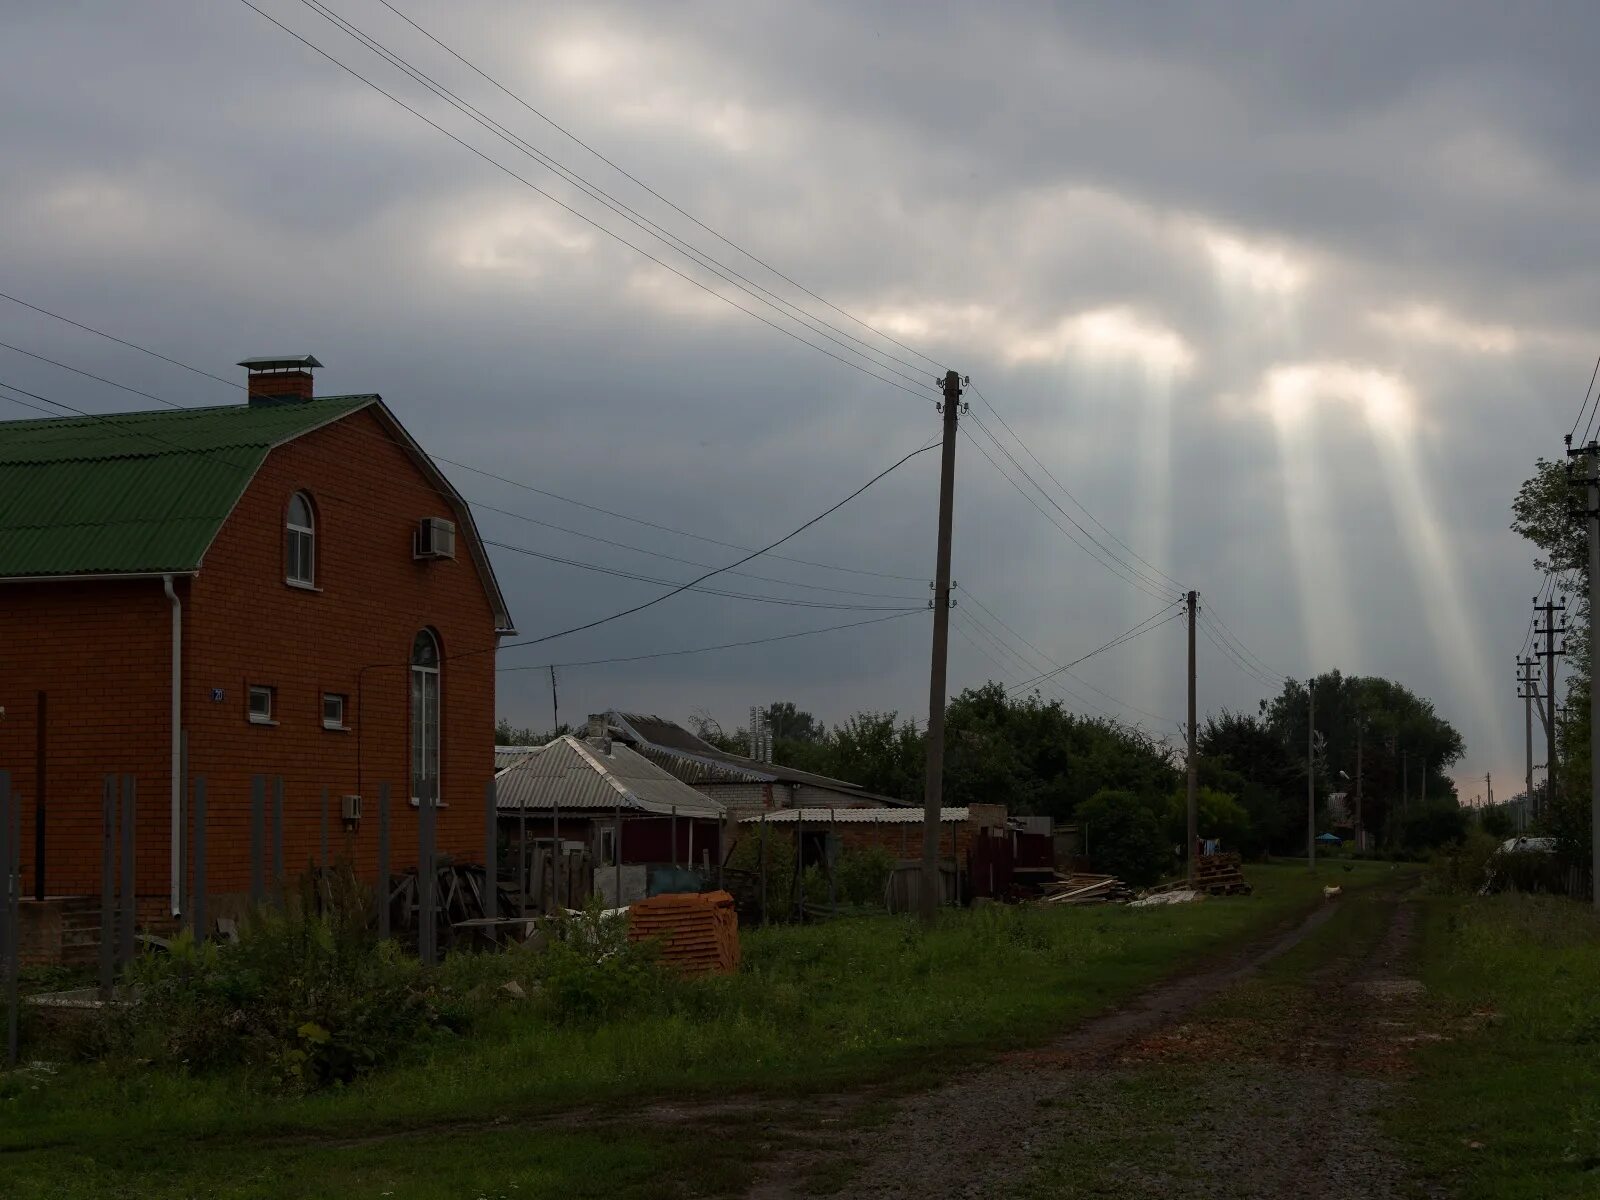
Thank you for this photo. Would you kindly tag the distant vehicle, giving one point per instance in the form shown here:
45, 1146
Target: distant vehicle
1527, 845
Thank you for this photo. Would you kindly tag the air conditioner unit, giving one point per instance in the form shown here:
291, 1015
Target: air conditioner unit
350, 809
435, 538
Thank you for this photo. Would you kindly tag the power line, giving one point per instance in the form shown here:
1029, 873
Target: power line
618, 573
795, 532
994, 639
1105, 558
1142, 627
642, 184
967, 592
528, 183
782, 637
1081, 506
595, 192
436, 457
1210, 613
1583, 407
676, 588
233, 383
1064, 531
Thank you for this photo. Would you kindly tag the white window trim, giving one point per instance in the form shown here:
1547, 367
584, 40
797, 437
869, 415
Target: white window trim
310, 531
340, 725
438, 690
250, 713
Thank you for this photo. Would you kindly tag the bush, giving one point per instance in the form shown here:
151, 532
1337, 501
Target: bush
1462, 866
305, 999
1124, 838
863, 874
592, 972
746, 857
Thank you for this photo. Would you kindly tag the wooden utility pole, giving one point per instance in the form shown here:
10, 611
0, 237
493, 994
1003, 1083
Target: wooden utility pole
555, 707
1361, 833
1311, 773
1194, 784
1526, 691
1591, 453
933, 788
1550, 653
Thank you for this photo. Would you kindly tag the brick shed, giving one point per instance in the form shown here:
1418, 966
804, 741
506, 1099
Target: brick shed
290, 582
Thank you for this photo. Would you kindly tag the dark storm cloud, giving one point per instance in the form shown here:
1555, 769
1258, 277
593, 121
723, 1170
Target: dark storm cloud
1103, 213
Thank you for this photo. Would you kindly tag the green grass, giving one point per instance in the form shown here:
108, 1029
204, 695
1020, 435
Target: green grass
855, 1002
1520, 1073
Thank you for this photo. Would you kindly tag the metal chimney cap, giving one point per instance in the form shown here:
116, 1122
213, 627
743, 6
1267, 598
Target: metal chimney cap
294, 362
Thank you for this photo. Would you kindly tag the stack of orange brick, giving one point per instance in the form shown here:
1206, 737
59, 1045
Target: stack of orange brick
698, 933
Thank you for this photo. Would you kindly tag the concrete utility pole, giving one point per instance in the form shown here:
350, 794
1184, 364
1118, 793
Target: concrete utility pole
1488, 788
1361, 833
1526, 692
1551, 653
1194, 781
933, 788
555, 708
1591, 452
1311, 773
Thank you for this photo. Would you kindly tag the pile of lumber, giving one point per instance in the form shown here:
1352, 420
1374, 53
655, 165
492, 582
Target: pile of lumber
1219, 874
698, 932
1086, 889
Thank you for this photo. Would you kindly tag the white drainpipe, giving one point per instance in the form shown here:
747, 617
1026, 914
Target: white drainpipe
177, 745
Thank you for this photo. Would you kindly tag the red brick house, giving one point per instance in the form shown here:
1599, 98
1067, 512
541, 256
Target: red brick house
290, 582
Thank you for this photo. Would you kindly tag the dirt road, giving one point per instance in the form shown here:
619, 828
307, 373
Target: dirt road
1260, 1076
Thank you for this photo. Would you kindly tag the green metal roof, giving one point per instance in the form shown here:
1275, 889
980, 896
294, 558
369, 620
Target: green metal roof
140, 492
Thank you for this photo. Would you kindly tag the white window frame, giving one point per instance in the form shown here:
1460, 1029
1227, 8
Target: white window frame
337, 723
260, 689
303, 537
426, 694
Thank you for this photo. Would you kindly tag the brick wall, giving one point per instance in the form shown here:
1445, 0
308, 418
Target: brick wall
247, 626
102, 651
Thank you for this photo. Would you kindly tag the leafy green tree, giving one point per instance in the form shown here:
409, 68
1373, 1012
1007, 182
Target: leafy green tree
1220, 816
790, 724
1495, 820
1544, 513
1124, 837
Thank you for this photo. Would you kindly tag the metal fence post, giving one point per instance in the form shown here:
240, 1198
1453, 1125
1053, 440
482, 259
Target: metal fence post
383, 861
130, 893
426, 879
491, 853
258, 835
277, 837
763, 866
108, 883
198, 904
558, 865
14, 924
324, 829
834, 853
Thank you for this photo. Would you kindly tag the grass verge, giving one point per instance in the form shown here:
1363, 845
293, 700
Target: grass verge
1508, 1107
850, 1003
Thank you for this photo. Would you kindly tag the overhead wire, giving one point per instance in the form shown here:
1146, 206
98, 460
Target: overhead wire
1153, 621
528, 183
1583, 407
436, 457
761, 641
675, 587
1060, 689
652, 191
1068, 494
639, 220
969, 595
1131, 580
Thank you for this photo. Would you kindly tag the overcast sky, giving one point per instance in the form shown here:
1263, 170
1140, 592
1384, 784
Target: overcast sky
1288, 296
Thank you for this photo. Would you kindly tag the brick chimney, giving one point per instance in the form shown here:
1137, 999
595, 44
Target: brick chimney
279, 380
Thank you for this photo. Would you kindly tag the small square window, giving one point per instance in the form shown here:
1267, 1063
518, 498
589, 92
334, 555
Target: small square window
261, 705
333, 711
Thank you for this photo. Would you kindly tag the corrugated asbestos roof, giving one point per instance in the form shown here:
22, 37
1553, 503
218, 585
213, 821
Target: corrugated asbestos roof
571, 773
140, 492
855, 816
694, 759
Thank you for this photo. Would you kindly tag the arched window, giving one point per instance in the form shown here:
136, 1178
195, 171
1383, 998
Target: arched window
301, 553
425, 717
